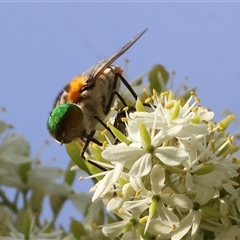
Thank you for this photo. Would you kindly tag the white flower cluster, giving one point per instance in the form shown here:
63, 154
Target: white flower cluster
33, 233
30, 183
173, 174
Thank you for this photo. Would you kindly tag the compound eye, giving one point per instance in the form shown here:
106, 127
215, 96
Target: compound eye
63, 119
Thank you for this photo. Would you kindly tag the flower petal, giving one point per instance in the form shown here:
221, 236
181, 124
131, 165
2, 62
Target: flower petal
157, 178
142, 166
171, 156
104, 186
122, 152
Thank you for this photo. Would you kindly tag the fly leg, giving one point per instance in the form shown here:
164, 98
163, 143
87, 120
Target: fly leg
104, 125
127, 85
115, 92
90, 138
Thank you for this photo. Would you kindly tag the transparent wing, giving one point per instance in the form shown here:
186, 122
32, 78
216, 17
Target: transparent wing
95, 72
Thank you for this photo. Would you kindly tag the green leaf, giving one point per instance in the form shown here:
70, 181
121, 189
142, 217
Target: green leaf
210, 212
69, 174
3, 126
158, 78
77, 229
23, 171
73, 149
56, 203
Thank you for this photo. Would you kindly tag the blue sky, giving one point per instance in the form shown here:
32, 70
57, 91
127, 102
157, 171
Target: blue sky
44, 45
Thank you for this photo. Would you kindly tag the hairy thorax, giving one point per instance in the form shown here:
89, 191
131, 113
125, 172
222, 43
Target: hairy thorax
94, 99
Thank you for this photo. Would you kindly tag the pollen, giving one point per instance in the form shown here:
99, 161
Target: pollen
121, 210
210, 127
170, 194
193, 93
169, 105
104, 132
74, 88
147, 100
230, 139
104, 145
197, 100
143, 220
165, 94
94, 225
174, 227
108, 123
138, 192
205, 122
153, 97
94, 146
120, 195
194, 109
124, 119
155, 93
224, 181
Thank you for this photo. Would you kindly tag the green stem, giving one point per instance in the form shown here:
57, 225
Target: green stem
169, 183
7, 203
25, 201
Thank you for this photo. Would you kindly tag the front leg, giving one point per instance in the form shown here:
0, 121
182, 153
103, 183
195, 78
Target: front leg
90, 138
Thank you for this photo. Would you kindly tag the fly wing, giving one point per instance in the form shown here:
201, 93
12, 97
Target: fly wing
99, 68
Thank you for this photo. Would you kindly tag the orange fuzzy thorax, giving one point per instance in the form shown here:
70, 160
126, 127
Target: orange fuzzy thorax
77, 83
74, 88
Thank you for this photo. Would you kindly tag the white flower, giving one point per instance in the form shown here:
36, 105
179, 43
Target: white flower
103, 186
129, 227
176, 231
171, 169
138, 156
159, 204
14, 150
232, 233
44, 178
34, 232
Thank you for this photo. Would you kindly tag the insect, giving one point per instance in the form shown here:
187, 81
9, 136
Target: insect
86, 99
